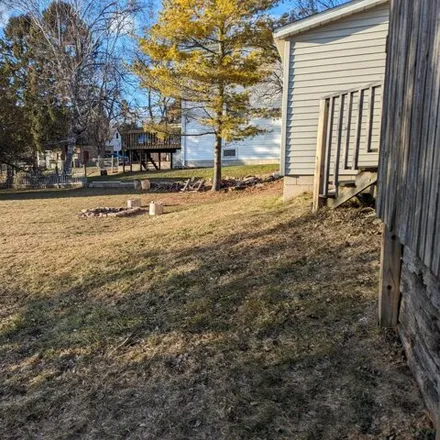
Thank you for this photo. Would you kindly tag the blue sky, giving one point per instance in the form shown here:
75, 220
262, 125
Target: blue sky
281, 9
136, 95
277, 11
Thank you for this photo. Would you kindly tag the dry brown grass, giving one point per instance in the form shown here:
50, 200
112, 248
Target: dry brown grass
233, 316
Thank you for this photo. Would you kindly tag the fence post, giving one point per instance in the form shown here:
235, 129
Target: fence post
320, 154
389, 288
9, 176
58, 176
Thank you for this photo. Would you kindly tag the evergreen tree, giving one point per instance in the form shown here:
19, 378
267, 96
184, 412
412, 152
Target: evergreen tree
30, 80
209, 54
15, 138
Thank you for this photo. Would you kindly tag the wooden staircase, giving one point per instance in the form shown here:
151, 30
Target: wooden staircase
151, 160
145, 160
349, 189
347, 154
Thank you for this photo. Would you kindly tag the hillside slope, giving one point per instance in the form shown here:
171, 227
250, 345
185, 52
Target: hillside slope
233, 316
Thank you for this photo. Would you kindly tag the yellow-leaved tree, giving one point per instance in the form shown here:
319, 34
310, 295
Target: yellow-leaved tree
209, 54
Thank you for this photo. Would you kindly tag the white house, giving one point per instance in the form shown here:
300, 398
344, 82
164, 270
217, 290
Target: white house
331, 53
198, 149
114, 144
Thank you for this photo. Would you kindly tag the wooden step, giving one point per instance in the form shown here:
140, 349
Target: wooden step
153, 162
364, 176
330, 195
363, 181
371, 169
348, 184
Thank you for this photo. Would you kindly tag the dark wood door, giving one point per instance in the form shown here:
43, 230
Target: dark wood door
85, 156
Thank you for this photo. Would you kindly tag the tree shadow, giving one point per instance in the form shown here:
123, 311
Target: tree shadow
63, 193
265, 336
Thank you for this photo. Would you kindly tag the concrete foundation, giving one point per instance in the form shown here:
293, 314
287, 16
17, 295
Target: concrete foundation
297, 185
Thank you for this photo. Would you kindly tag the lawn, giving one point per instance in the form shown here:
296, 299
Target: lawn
232, 316
199, 173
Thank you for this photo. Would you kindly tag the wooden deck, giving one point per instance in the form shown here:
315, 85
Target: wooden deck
142, 140
147, 148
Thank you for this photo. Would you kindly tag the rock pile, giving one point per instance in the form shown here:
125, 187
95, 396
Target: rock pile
167, 186
108, 212
231, 184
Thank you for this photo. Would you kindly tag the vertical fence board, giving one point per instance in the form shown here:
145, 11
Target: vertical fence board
389, 287
410, 159
430, 194
424, 125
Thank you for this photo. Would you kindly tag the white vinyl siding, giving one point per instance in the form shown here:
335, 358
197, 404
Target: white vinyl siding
263, 147
345, 54
196, 146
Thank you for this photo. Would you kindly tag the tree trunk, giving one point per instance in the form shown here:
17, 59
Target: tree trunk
9, 176
217, 164
69, 154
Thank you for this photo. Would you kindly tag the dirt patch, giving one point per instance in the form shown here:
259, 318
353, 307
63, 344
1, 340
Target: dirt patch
233, 317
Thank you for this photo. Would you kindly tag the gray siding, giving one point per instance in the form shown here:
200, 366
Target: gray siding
343, 55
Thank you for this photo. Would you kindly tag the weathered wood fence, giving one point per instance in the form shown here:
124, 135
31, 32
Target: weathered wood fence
409, 190
410, 161
30, 181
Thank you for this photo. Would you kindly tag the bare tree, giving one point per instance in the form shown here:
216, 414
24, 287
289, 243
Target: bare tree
81, 43
304, 8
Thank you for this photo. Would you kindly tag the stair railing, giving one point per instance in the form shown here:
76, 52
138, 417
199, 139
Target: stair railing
346, 128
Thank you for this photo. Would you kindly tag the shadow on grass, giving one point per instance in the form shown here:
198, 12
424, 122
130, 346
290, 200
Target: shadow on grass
265, 337
163, 175
62, 193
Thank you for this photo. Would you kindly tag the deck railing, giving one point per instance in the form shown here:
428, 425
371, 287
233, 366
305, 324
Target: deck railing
348, 136
141, 140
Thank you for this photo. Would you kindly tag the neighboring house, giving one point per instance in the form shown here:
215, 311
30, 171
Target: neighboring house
114, 144
50, 159
332, 53
198, 149
87, 154
84, 153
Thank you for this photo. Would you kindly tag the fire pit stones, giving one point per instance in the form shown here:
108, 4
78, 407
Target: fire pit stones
109, 212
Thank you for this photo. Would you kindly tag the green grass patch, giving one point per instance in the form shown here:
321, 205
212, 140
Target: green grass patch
199, 173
